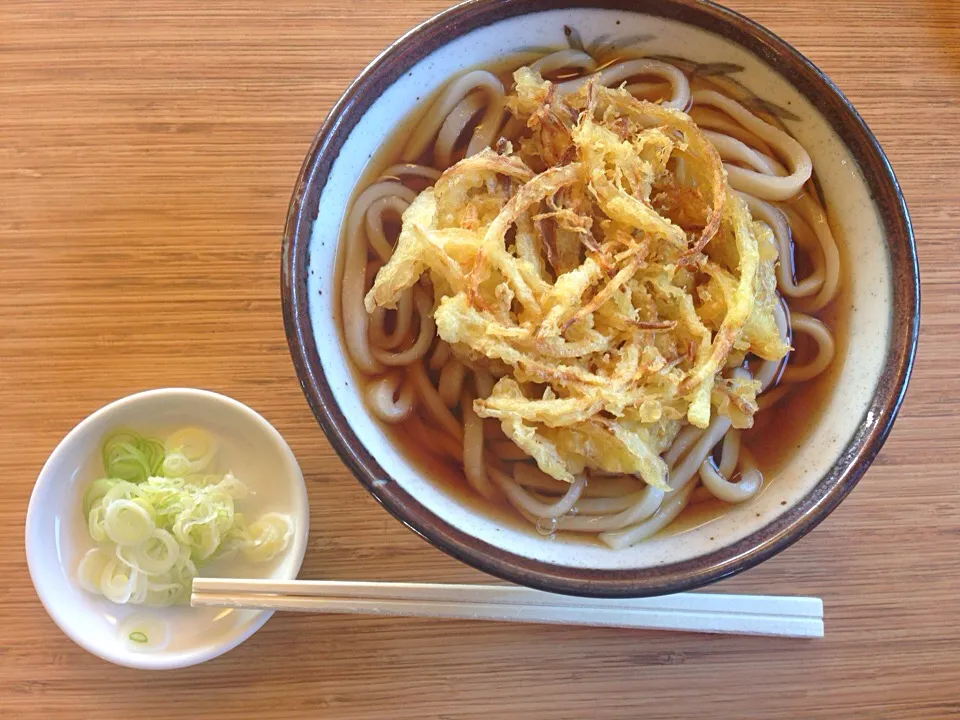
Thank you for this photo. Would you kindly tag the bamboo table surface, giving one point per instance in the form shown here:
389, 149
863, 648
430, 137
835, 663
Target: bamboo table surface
147, 152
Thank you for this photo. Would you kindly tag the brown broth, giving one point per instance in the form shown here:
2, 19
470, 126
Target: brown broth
779, 431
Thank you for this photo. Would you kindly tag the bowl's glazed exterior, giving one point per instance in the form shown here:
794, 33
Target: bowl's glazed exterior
866, 208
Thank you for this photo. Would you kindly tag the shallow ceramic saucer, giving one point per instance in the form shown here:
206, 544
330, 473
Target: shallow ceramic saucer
56, 535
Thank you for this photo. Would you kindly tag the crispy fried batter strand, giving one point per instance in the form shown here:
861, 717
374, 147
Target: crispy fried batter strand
606, 290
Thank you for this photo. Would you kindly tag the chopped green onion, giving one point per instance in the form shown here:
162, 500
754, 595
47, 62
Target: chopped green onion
142, 633
95, 493
127, 522
91, 569
232, 487
153, 450
155, 530
188, 451
128, 456
175, 465
119, 583
154, 556
269, 536
95, 523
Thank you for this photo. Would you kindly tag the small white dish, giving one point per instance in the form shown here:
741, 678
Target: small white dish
57, 538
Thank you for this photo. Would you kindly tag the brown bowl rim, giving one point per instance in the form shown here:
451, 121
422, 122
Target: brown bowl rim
789, 527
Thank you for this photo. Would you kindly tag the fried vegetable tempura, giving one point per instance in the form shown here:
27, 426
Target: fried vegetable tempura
603, 270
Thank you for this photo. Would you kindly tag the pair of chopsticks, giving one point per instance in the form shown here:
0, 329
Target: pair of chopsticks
693, 612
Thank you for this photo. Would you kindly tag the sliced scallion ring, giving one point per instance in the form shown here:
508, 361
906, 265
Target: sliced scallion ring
154, 556
126, 522
91, 567
128, 456
190, 447
154, 531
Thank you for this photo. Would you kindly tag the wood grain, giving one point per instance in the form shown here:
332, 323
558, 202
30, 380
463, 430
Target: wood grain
147, 151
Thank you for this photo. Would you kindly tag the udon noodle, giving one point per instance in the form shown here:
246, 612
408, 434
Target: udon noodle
478, 409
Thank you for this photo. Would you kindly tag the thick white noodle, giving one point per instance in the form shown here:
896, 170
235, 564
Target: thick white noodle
730, 452
530, 476
762, 185
450, 384
473, 465
786, 270
645, 505
431, 400
382, 398
826, 348
732, 150
404, 317
683, 472
356, 321
814, 215
523, 500
665, 514
715, 478
425, 336
687, 437
769, 369
708, 118
453, 127
483, 135
564, 59
392, 204
604, 505
618, 72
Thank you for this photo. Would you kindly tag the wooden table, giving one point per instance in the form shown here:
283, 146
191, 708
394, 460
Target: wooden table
147, 152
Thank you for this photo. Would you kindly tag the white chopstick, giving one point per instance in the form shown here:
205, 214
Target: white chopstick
693, 612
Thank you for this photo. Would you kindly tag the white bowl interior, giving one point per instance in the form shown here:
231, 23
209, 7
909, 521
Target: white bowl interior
853, 215
57, 538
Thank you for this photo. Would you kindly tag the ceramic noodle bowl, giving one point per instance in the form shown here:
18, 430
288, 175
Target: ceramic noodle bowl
879, 301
